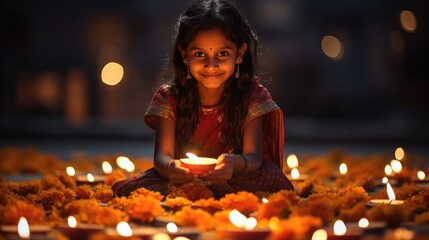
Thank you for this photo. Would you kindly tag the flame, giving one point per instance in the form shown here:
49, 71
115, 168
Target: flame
124, 229
72, 221
421, 175
107, 168
181, 238
250, 223
23, 228
172, 227
292, 161
363, 223
343, 169
161, 236
264, 200
236, 218
390, 192
193, 157
294, 173
125, 163
339, 228
388, 170
385, 180
320, 234
70, 171
396, 166
399, 153
90, 177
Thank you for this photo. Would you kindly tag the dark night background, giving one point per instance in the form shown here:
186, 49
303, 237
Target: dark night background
53, 53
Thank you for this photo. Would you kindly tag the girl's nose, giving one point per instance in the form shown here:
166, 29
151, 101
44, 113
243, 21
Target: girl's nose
211, 63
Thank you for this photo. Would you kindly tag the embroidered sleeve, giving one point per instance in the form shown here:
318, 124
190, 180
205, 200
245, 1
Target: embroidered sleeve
162, 105
261, 103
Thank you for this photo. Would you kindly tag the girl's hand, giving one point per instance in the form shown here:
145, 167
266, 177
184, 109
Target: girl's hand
177, 174
223, 170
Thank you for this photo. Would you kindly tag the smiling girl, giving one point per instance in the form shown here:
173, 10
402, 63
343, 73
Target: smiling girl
214, 107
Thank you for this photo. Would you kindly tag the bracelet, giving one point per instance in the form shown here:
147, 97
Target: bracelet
246, 165
169, 163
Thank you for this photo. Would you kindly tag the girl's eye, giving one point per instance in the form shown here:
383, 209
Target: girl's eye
223, 54
199, 54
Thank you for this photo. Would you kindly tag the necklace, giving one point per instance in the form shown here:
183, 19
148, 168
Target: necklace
209, 109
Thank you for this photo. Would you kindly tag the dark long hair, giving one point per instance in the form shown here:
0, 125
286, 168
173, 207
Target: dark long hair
206, 15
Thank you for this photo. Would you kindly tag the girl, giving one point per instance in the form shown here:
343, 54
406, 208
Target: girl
214, 107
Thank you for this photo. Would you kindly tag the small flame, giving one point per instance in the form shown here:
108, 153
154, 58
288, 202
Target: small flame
421, 175
399, 154
320, 234
23, 228
181, 238
339, 228
124, 229
385, 180
250, 223
264, 200
90, 177
125, 163
396, 166
388, 170
236, 218
363, 223
161, 236
294, 173
72, 222
390, 192
107, 168
193, 157
172, 227
343, 169
70, 171
292, 161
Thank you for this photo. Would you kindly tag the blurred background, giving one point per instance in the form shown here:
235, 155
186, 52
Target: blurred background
79, 75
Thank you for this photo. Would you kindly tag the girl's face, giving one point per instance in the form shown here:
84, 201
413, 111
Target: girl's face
212, 58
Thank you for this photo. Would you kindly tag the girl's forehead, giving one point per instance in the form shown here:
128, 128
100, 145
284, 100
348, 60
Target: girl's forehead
210, 40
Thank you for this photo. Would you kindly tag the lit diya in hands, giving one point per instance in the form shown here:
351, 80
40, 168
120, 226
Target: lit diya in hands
198, 165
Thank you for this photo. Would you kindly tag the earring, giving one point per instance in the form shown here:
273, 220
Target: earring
237, 73
186, 62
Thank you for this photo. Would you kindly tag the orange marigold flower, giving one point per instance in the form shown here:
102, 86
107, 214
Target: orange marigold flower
243, 201
114, 177
25, 188
279, 204
188, 217
177, 202
32, 213
51, 182
296, 227
103, 195
84, 192
145, 192
143, 208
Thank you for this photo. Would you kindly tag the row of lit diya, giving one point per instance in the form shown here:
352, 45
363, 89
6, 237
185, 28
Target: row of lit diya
244, 228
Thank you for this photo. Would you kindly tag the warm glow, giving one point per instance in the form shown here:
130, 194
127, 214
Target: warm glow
385, 180
292, 161
390, 192
339, 228
320, 234
125, 163
181, 238
172, 227
161, 236
193, 157
388, 170
264, 200
399, 153
396, 166
236, 218
343, 169
421, 175
23, 228
112, 73
70, 171
72, 221
332, 47
124, 229
107, 168
363, 223
250, 223
90, 177
294, 173
408, 21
